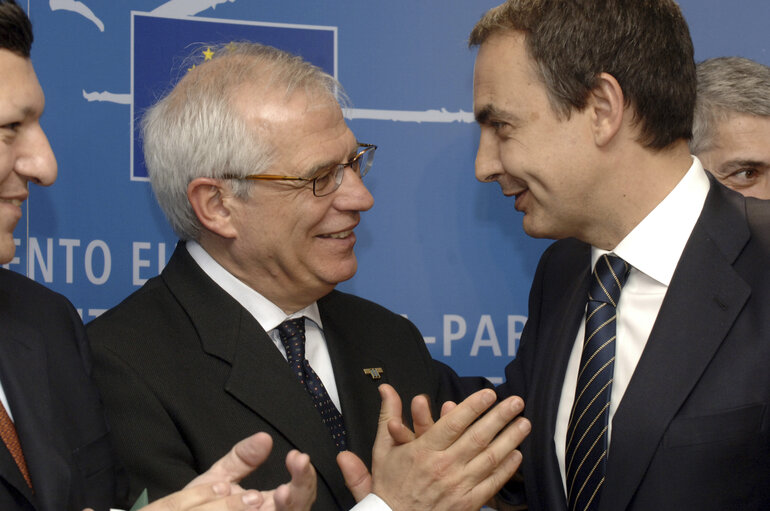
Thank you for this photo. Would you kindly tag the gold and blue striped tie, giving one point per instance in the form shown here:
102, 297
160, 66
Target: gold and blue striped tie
586, 448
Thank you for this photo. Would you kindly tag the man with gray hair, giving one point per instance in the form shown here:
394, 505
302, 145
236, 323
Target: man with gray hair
731, 129
251, 160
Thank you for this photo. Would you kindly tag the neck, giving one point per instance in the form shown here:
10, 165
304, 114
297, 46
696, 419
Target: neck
286, 294
638, 181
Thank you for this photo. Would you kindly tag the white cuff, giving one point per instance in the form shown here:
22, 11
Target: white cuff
371, 503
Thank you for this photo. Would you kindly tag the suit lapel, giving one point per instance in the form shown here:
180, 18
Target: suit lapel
703, 300
557, 338
260, 378
25, 383
358, 393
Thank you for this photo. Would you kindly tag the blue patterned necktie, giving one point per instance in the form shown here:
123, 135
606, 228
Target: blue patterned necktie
586, 448
292, 333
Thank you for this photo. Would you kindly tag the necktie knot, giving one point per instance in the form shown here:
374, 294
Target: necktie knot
292, 334
608, 278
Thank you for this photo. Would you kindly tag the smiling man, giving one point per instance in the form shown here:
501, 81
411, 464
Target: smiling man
656, 397
731, 131
251, 160
55, 453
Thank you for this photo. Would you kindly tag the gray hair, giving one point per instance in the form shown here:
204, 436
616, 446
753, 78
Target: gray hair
196, 130
727, 85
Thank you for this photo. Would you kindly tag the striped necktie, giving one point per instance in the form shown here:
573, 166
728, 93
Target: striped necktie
292, 333
586, 447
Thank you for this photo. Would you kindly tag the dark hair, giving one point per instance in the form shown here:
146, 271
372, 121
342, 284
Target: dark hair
15, 29
644, 45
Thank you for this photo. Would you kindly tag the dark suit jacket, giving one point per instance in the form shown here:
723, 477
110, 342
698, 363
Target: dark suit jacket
185, 372
691, 431
44, 367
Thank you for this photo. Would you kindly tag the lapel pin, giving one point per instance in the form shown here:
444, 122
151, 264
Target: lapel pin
374, 372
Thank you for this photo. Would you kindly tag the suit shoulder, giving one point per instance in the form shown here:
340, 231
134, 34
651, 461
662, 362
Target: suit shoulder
149, 297
24, 294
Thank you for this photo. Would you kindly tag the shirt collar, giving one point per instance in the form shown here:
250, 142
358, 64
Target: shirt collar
264, 311
655, 245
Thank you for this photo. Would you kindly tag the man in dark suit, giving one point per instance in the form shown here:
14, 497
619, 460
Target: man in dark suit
585, 110
56, 454
251, 160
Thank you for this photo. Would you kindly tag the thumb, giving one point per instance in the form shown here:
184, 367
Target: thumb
357, 477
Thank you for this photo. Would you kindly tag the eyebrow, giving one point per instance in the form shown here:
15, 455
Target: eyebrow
735, 164
488, 112
324, 166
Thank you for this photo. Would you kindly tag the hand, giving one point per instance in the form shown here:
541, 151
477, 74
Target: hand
454, 463
297, 495
217, 489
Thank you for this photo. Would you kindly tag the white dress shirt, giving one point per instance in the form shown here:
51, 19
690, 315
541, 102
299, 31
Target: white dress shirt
653, 249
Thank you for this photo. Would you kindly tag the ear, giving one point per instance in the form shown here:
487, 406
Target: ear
607, 108
206, 196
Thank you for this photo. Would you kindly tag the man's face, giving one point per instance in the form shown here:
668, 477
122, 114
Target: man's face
740, 155
534, 155
295, 247
25, 154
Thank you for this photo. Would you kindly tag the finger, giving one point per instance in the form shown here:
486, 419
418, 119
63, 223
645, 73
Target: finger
447, 407
243, 458
499, 450
207, 497
356, 475
390, 410
491, 485
421, 416
399, 433
391, 404
481, 434
300, 493
450, 427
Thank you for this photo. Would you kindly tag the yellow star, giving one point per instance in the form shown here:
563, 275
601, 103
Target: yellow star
191, 68
208, 54
231, 46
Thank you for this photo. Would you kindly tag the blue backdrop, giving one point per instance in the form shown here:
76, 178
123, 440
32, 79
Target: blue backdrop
438, 247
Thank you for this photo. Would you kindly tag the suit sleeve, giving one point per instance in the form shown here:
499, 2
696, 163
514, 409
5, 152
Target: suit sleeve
144, 435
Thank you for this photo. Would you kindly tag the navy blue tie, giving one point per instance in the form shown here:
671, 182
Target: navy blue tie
292, 333
586, 448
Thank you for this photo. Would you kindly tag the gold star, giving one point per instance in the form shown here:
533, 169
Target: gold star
230, 46
208, 54
191, 68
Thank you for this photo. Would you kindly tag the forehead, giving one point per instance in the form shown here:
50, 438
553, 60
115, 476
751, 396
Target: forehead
20, 92
748, 134
504, 74
305, 129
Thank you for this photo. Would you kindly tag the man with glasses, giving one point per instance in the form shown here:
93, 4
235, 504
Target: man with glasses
55, 453
251, 160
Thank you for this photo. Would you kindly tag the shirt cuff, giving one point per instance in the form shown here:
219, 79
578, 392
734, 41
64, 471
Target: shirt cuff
371, 503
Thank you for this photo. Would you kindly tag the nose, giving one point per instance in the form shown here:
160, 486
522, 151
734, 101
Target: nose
353, 195
34, 159
488, 165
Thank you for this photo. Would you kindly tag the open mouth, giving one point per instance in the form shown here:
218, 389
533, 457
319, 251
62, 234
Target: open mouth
15, 202
338, 235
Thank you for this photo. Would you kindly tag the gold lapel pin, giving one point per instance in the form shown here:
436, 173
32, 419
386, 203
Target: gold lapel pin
374, 372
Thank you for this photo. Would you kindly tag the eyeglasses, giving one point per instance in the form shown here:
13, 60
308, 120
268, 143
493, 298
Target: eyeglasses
328, 179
